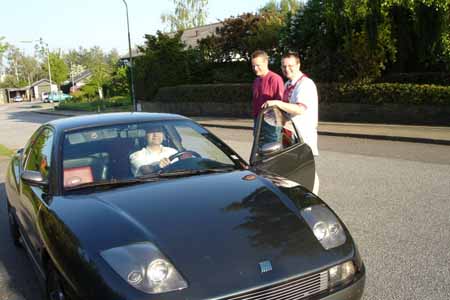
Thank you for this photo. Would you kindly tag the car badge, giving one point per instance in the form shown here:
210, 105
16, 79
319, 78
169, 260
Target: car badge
265, 266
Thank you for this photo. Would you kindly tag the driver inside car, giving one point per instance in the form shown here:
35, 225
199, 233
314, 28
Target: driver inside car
152, 157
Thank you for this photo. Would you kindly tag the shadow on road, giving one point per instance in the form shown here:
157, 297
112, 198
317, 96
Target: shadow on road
17, 277
24, 114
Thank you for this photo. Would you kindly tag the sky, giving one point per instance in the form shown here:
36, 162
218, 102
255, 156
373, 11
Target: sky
65, 24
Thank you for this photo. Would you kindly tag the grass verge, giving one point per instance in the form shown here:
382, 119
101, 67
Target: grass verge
4, 151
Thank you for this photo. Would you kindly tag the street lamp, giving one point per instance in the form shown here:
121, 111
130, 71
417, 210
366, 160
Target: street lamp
131, 61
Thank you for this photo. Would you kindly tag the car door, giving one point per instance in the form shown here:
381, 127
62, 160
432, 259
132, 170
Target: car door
32, 196
278, 148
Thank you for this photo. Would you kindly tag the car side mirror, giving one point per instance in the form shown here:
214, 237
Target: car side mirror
270, 148
34, 178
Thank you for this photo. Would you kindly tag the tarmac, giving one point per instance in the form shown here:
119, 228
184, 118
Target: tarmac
406, 133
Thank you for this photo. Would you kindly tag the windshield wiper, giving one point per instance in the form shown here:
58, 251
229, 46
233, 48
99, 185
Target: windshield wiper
111, 183
190, 172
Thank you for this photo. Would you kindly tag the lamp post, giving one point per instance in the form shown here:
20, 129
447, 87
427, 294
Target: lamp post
131, 61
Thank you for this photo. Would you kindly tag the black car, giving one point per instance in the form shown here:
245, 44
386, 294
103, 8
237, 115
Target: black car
203, 225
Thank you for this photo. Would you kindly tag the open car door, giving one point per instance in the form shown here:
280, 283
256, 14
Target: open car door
278, 148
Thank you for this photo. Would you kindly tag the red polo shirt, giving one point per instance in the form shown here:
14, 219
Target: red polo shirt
269, 87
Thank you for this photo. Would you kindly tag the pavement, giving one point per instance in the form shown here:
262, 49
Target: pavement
407, 133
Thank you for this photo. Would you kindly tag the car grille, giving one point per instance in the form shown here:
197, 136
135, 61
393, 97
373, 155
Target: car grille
294, 289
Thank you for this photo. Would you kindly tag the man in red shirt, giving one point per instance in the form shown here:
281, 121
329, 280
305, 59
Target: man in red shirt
267, 86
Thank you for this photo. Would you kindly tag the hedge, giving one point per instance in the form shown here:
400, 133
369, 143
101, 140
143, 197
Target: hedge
378, 93
223, 93
438, 78
117, 102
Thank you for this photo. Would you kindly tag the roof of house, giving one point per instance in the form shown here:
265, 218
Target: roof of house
39, 82
191, 36
83, 75
135, 52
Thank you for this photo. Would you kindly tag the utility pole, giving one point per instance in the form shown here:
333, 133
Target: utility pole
131, 61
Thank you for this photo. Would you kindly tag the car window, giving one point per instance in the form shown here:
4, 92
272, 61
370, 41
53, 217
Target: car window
39, 157
195, 141
126, 151
28, 146
277, 131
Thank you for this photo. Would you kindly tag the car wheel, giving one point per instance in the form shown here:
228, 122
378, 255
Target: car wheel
54, 288
13, 228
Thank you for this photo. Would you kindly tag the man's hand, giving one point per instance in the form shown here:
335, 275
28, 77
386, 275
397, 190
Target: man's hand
270, 103
164, 162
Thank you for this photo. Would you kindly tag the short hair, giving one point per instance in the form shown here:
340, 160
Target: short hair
260, 53
154, 129
293, 54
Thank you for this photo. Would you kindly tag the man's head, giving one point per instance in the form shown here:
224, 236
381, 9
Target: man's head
290, 65
155, 136
260, 63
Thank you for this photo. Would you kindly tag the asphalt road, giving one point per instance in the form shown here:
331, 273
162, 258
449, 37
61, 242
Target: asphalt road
393, 196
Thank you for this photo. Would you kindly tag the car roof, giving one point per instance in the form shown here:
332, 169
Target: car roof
94, 120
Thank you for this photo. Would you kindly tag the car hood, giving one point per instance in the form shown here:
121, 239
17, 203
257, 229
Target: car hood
217, 228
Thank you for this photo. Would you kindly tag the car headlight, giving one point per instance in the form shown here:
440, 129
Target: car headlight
341, 274
325, 226
144, 267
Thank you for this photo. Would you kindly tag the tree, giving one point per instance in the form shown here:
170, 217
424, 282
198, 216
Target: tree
58, 67
336, 41
165, 62
283, 7
97, 62
187, 14
3, 48
240, 36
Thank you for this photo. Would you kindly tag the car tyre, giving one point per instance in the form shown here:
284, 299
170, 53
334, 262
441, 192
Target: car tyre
53, 286
14, 228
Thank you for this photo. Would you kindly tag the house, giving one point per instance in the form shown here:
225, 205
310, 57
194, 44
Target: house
79, 80
190, 38
30, 92
3, 98
36, 89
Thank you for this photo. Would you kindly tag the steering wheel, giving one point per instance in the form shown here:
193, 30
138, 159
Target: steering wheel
184, 155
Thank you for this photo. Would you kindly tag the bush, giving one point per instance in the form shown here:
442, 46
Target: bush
437, 78
77, 104
380, 93
224, 93
328, 93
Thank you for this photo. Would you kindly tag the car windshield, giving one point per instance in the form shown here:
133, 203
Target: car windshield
138, 152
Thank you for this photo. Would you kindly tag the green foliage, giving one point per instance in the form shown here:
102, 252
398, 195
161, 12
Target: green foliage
283, 7
58, 67
165, 63
118, 84
226, 93
187, 14
436, 78
3, 48
392, 93
240, 36
97, 63
361, 93
4, 151
349, 40
421, 30
335, 39
118, 103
